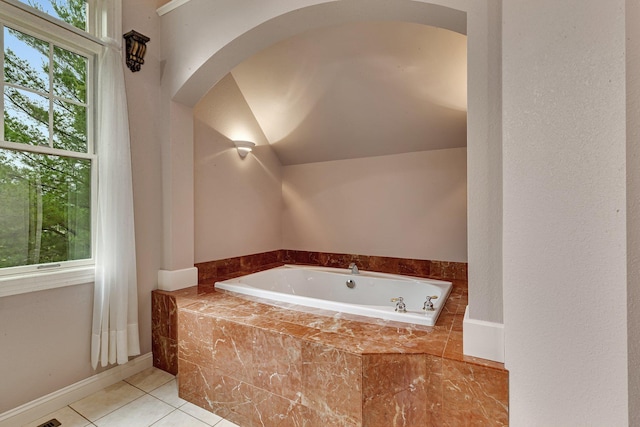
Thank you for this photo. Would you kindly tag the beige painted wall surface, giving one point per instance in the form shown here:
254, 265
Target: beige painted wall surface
44, 342
407, 205
45, 336
565, 248
143, 99
633, 206
410, 205
238, 202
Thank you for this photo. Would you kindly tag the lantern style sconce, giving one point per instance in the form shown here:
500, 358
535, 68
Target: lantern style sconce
136, 48
244, 147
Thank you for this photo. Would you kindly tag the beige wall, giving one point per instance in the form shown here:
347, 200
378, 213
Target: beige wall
407, 205
633, 206
44, 342
237, 202
45, 336
565, 236
143, 98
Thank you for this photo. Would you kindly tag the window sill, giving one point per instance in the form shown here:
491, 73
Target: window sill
38, 281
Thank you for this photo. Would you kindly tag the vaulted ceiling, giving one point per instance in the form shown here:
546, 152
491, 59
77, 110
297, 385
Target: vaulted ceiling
359, 90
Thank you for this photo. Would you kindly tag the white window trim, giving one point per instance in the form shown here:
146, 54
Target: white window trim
38, 281
26, 279
23, 12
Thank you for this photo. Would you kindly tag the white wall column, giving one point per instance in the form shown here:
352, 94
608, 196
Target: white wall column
177, 160
483, 332
565, 259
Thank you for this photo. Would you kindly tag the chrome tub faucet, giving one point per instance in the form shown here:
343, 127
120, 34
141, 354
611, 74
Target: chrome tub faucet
428, 304
354, 268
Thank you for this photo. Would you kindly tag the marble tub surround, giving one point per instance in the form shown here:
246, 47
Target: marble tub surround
259, 364
211, 271
164, 330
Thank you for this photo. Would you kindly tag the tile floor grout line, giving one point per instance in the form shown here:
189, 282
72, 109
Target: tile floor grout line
138, 398
88, 420
157, 421
144, 391
119, 407
94, 423
199, 419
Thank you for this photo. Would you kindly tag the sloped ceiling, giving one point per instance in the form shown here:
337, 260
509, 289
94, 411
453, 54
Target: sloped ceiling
359, 90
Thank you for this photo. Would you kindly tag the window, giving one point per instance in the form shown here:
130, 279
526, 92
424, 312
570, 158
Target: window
47, 160
73, 12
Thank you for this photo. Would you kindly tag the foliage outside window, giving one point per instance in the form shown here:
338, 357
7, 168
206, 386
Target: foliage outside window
46, 149
73, 12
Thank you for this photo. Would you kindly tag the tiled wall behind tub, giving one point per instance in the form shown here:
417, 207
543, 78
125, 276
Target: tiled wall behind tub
211, 271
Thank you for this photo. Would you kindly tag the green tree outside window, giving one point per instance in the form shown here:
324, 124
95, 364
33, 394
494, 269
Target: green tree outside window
45, 198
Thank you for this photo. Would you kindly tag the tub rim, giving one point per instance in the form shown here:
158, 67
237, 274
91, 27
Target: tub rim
374, 312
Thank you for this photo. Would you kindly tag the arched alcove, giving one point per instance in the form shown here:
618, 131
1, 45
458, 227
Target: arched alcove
215, 41
300, 20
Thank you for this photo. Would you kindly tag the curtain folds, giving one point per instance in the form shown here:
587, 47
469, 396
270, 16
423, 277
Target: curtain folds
115, 309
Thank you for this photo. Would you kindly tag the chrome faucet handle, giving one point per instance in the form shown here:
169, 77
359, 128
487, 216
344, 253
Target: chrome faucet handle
428, 305
354, 268
401, 307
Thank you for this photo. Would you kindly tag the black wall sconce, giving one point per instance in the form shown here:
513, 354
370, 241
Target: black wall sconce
136, 48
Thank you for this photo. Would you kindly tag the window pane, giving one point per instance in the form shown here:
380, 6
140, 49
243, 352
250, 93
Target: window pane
69, 126
26, 117
26, 60
69, 75
44, 208
73, 12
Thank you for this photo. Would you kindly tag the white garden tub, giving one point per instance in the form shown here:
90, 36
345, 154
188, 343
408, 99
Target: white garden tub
326, 288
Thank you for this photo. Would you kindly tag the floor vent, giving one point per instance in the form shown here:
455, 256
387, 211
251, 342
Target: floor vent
51, 423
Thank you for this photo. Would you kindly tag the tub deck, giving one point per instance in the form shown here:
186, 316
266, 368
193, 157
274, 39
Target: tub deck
257, 364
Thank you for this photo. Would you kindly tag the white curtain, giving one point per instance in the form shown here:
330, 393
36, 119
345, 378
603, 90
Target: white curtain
115, 308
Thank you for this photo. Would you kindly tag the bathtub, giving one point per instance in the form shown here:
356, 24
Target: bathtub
327, 288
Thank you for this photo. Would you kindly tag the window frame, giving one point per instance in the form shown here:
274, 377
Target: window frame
21, 17
92, 19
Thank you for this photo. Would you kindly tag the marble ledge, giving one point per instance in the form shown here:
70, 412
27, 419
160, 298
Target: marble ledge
283, 363
258, 364
351, 333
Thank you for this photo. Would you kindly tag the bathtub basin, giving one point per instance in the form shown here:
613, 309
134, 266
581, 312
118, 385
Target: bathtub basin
326, 288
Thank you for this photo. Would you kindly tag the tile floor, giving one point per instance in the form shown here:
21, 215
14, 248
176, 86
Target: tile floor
147, 399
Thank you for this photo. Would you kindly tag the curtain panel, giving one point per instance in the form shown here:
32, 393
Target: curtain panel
115, 334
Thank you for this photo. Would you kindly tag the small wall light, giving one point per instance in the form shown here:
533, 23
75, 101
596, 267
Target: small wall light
136, 48
244, 147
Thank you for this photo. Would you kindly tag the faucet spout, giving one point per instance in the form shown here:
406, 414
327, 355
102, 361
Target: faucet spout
354, 268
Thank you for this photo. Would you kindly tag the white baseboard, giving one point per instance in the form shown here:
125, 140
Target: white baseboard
482, 339
58, 399
172, 280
